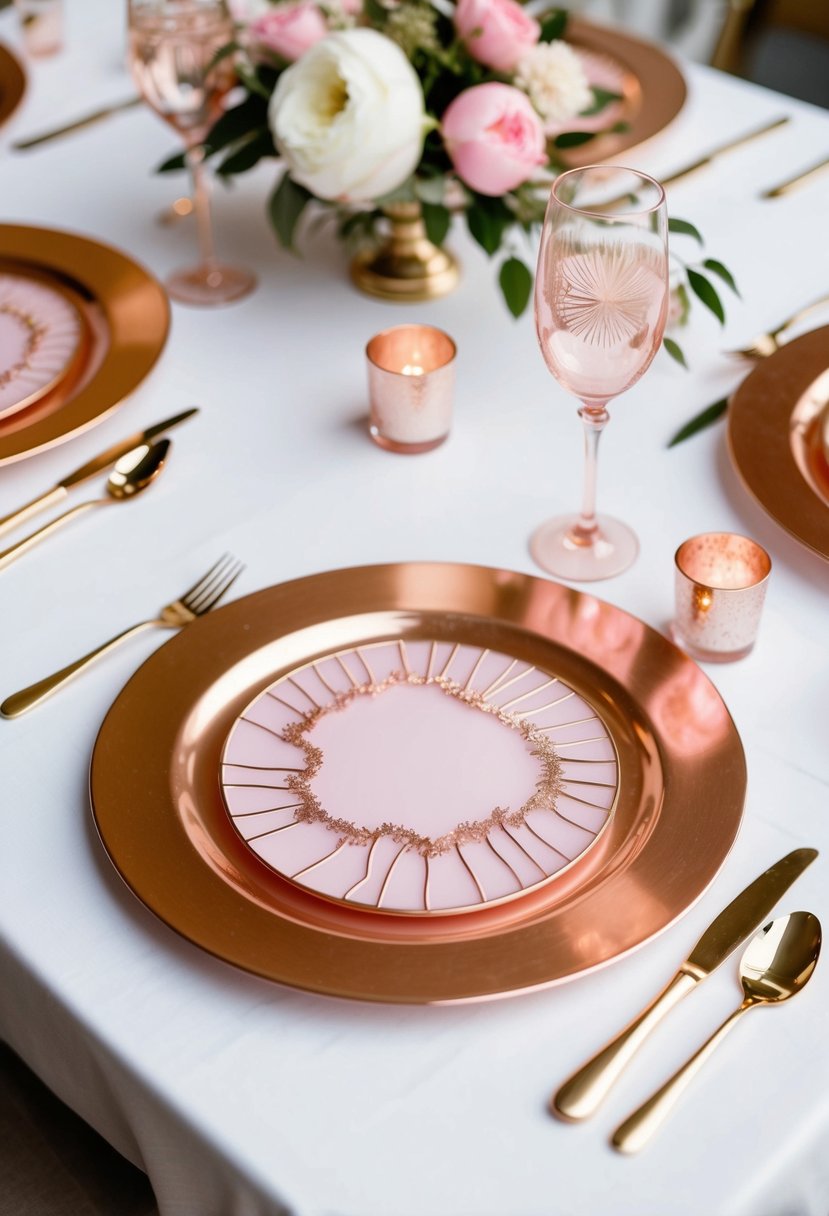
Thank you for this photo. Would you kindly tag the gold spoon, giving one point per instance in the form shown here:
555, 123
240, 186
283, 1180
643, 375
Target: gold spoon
132, 474
777, 964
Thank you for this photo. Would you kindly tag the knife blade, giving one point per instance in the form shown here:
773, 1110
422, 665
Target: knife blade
582, 1094
96, 465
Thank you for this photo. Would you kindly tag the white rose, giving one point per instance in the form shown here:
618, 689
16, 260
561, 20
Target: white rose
348, 117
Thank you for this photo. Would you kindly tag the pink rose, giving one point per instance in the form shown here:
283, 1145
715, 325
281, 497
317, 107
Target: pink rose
497, 32
289, 30
494, 137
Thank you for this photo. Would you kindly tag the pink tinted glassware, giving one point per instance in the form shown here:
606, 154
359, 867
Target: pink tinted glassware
601, 299
175, 58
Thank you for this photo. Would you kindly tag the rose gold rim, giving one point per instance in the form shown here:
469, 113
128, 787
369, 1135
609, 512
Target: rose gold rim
607, 215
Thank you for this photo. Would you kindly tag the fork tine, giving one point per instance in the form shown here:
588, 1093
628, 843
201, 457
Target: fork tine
213, 578
212, 598
199, 585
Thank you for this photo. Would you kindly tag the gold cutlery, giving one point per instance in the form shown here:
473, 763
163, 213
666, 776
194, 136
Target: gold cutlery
722, 149
132, 474
794, 183
768, 343
97, 464
200, 598
581, 1095
777, 965
705, 160
87, 120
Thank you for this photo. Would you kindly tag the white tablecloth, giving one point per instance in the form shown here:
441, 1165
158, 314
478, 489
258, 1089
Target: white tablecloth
240, 1097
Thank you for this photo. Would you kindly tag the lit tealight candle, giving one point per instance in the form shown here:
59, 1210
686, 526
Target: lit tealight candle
721, 581
411, 382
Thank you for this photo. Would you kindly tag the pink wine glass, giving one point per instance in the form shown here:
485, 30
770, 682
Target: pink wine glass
176, 61
601, 299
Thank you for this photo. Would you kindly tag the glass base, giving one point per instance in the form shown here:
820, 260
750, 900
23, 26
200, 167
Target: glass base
405, 449
210, 286
557, 548
702, 655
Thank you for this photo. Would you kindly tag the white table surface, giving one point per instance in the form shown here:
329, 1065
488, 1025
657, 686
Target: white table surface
240, 1097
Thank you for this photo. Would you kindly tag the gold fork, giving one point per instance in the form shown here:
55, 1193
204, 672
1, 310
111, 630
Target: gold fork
201, 597
767, 344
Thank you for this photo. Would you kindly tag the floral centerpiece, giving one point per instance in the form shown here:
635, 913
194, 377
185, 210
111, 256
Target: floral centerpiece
419, 112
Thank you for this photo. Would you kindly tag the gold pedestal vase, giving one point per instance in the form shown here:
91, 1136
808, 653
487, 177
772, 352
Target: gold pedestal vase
407, 266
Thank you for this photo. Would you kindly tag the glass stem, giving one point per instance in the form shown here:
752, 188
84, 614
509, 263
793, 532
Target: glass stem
201, 206
594, 420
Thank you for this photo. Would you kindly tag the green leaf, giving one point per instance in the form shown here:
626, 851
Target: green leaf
173, 164
724, 273
376, 13
486, 219
706, 292
437, 220
516, 283
553, 25
286, 205
247, 154
573, 139
675, 351
236, 124
700, 422
223, 52
601, 99
686, 229
251, 81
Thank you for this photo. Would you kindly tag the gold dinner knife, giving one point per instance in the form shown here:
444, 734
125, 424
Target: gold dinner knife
581, 1095
97, 464
22, 145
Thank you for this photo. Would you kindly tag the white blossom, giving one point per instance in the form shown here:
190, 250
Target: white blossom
551, 73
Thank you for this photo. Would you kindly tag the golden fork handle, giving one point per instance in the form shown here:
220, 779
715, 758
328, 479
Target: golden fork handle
582, 1094
638, 1128
34, 538
9, 522
21, 702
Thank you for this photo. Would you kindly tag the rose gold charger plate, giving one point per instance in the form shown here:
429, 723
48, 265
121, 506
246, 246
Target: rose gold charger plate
652, 86
127, 317
776, 440
157, 803
12, 83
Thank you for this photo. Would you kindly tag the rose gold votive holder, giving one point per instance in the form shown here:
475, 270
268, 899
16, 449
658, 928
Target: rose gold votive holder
42, 23
721, 581
411, 383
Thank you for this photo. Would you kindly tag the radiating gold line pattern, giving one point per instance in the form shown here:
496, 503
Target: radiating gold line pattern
557, 796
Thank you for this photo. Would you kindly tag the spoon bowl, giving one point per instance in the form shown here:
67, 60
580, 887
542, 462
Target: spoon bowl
780, 959
137, 470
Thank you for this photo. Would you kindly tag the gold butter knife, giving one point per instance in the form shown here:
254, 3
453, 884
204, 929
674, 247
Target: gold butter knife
22, 145
581, 1095
96, 465
794, 183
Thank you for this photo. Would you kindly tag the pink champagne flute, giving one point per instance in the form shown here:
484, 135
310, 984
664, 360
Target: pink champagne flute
174, 47
601, 299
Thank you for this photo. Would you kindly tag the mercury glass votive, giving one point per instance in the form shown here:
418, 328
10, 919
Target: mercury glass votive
411, 384
721, 581
42, 23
